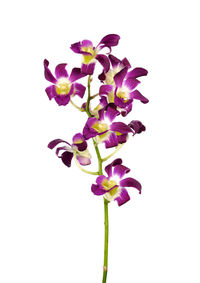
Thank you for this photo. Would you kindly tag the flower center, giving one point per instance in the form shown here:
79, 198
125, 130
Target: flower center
100, 127
123, 94
63, 86
88, 58
108, 184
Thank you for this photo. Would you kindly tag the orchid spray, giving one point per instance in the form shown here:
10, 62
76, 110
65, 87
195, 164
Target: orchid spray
117, 92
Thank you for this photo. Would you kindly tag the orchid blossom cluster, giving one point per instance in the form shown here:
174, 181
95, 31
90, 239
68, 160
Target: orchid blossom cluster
118, 83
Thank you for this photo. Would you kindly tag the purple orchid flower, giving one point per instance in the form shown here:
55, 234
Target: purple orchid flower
64, 86
113, 186
78, 148
90, 53
105, 130
121, 90
117, 66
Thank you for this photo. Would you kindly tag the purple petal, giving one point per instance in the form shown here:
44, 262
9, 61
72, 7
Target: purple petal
114, 61
83, 160
88, 131
79, 141
100, 179
137, 72
103, 60
126, 63
88, 69
111, 141
137, 126
79, 90
76, 74
62, 100
108, 168
67, 158
105, 89
126, 110
51, 91
120, 101
110, 40
60, 71
122, 138
137, 95
132, 83
58, 149
55, 142
119, 77
130, 182
76, 47
120, 127
97, 190
123, 197
47, 73
120, 170
111, 113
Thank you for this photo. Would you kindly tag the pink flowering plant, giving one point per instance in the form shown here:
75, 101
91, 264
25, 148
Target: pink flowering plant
117, 92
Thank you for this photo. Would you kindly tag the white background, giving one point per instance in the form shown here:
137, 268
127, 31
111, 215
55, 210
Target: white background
51, 225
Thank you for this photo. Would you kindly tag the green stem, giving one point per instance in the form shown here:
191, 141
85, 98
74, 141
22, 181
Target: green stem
87, 109
100, 172
76, 106
106, 224
110, 155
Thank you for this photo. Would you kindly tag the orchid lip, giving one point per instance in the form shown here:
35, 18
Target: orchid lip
63, 86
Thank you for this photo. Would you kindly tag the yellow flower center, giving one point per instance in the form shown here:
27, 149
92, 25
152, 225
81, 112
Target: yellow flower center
100, 127
124, 94
63, 86
108, 184
88, 58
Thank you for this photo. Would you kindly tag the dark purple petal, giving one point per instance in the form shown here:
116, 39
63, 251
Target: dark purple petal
79, 141
55, 142
114, 61
126, 63
131, 83
119, 77
76, 74
98, 190
123, 197
47, 73
67, 158
137, 95
88, 131
103, 60
111, 141
137, 72
105, 89
111, 113
88, 69
79, 90
137, 126
110, 40
83, 160
76, 47
58, 149
130, 182
126, 110
51, 91
102, 76
122, 138
62, 100
108, 168
60, 71
120, 127
120, 170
